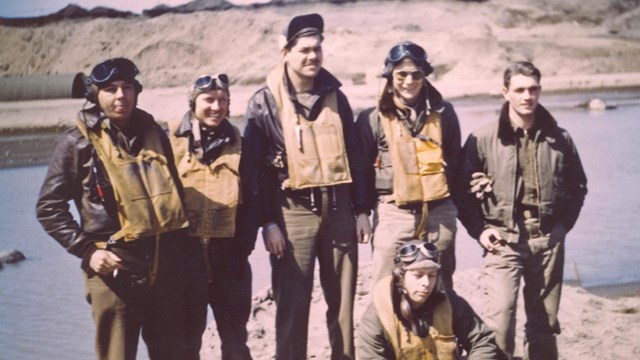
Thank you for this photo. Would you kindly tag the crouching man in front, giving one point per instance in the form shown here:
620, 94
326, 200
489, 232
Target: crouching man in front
414, 317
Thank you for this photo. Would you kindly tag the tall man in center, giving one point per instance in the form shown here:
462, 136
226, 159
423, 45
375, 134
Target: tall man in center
308, 189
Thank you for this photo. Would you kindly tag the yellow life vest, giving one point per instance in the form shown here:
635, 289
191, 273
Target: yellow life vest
418, 163
212, 192
439, 345
146, 195
316, 154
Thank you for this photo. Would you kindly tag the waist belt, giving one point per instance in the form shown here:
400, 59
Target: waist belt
415, 208
314, 195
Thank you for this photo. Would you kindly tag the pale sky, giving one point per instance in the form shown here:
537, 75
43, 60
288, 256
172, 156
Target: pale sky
29, 8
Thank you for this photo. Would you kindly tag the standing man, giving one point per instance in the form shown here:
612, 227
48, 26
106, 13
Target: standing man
208, 150
413, 316
412, 142
525, 187
116, 165
311, 196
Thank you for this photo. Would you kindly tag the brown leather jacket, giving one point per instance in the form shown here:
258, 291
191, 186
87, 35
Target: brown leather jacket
73, 176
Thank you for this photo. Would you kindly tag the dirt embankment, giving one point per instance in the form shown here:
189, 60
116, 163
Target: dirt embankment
576, 44
468, 42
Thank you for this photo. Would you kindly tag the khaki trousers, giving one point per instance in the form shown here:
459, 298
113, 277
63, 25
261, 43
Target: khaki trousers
539, 261
122, 307
393, 227
329, 236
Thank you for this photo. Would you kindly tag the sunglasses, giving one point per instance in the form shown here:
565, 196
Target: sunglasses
403, 50
104, 72
402, 75
409, 253
211, 82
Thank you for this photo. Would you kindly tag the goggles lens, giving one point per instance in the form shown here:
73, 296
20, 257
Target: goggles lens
411, 50
415, 75
209, 82
410, 252
105, 71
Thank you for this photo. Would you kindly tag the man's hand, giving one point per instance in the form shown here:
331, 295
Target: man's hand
105, 262
491, 240
363, 228
480, 184
274, 240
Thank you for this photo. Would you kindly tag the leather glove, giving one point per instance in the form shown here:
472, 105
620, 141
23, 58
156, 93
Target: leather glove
481, 184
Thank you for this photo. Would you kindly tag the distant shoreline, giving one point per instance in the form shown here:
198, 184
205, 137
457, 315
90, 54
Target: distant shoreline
614, 291
167, 103
28, 129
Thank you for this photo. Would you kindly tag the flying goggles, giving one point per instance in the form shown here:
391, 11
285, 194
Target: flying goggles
211, 82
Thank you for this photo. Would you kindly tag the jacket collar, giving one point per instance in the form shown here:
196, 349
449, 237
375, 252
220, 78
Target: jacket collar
94, 117
544, 122
415, 117
185, 128
324, 83
433, 98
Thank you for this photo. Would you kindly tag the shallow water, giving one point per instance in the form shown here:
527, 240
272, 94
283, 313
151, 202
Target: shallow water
43, 314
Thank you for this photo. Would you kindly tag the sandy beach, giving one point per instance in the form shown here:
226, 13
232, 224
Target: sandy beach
593, 327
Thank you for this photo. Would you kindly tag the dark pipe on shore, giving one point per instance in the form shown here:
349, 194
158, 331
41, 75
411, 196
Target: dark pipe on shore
38, 87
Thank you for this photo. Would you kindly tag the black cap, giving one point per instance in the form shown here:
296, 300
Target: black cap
303, 25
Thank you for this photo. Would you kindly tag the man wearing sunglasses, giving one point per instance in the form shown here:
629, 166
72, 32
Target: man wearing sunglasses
411, 140
413, 316
208, 150
524, 186
117, 167
309, 189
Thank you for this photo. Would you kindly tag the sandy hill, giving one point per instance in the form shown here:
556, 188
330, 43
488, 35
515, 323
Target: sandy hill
468, 42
